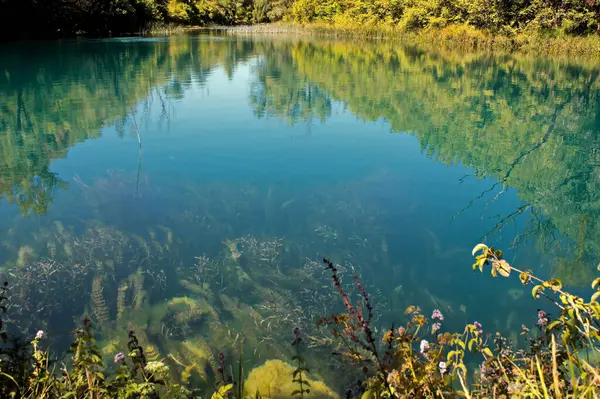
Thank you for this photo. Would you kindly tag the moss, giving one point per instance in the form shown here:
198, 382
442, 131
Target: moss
274, 380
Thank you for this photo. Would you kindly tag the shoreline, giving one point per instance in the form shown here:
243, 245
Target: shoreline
452, 37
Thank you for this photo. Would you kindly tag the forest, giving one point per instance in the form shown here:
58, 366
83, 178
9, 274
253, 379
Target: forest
67, 18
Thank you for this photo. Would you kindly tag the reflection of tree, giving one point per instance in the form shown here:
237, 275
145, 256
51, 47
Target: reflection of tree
67, 93
532, 124
280, 90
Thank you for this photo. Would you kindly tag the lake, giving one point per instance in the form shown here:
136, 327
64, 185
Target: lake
187, 188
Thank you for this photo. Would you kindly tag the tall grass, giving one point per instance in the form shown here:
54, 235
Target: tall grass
464, 37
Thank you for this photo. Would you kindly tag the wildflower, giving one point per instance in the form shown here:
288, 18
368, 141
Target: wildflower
39, 335
119, 357
437, 315
424, 346
388, 336
483, 370
479, 327
394, 379
435, 327
157, 369
443, 367
401, 331
542, 318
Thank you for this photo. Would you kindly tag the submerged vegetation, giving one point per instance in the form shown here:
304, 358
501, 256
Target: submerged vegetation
559, 356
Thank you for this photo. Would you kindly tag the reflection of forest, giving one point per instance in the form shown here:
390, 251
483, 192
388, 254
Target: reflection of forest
533, 124
66, 92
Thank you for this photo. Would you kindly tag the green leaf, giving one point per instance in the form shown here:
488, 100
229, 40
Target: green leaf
478, 248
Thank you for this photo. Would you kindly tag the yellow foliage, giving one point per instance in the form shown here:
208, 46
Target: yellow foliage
274, 380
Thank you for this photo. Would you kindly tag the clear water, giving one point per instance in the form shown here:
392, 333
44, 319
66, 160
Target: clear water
260, 156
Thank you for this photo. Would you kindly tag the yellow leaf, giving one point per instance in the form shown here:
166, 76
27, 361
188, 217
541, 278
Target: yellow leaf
222, 392
503, 268
595, 297
478, 248
367, 395
536, 291
554, 284
524, 276
595, 282
487, 352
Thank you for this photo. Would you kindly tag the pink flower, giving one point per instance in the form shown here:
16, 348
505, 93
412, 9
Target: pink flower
443, 368
435, 327
119, 357
40, 334
424, 347
437, 315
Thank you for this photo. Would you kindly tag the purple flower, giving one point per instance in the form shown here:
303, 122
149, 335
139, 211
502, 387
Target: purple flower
542, 318
437, 315
435, 327
477, 325
39, 335
119, 357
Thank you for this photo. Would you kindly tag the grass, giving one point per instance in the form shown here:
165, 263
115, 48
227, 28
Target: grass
463, 37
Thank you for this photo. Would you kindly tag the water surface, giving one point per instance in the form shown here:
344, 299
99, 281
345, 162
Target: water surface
258, 157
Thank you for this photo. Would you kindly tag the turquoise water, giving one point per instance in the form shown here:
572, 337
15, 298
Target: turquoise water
258, 157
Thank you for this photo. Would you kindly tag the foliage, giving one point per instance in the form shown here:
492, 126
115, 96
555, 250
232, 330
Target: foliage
500, 17
72, 17
85, 375
426, 362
